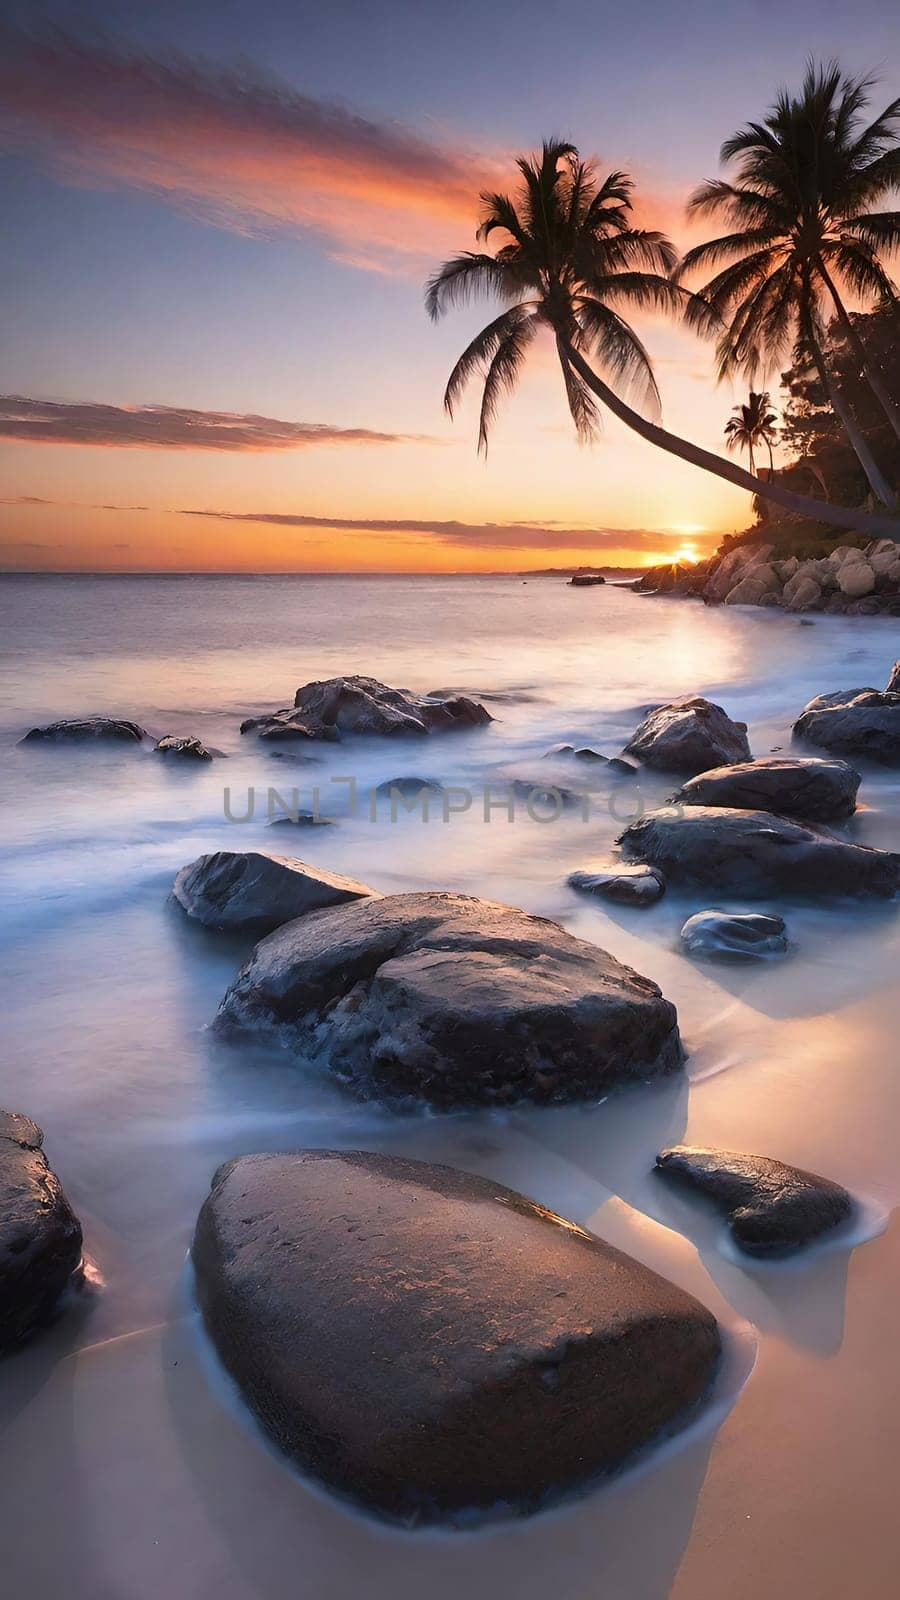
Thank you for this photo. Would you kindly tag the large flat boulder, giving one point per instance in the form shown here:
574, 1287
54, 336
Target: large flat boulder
854, 722
428, 1341
771, 1208
454, 1001
254, 891
40, 1235
332, 707
82, 730
755, 853
689, 735
810, 787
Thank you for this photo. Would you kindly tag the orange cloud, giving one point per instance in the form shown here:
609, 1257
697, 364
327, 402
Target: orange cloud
171, 428
233, 147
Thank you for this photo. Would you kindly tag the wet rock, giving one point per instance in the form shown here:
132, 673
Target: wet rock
430, 1342
252, 892
454, 1001
756, 853
286, 724
893, 683
301, 819
854, 722
772, 1208
624, 769
689, 735
365, 706
40, 1235
81, 730
184, 748
586, 580
727, 935
810, 787
629, 884
409, 788
584, 753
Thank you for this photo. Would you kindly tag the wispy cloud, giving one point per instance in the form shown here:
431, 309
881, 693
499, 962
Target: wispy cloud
234, 147
483, 535
171, 428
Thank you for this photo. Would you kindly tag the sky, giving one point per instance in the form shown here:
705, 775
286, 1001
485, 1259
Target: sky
217, 224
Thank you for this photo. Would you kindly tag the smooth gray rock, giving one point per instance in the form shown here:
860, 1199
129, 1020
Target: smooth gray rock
453, 1001
755, 853
40, 1235
810, 787
734, 936
854, 722
689, 735
632, 885
430, 1342
183, 747
253, 892
81, 730
772, 1208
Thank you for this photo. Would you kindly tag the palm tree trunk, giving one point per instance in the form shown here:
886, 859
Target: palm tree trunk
752, 462
877, 481
800, 504
857, 345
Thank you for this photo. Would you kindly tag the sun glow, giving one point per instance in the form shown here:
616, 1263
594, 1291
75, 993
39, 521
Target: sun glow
687, 553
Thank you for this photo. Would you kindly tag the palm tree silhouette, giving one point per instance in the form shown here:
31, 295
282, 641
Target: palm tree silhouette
568, 261
751, 425
800, 227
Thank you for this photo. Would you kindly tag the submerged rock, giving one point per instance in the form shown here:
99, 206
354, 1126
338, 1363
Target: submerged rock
40, 1235
689, 736
633, 885
809, 787
854, 722
254, 892
737, 936
772, 1208
583, 753
184, 747
455, 1001
755, 852
431, 1342
328, 708
83, 729
586, 580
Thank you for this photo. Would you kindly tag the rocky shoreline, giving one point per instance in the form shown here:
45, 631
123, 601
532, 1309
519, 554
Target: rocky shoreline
849, 581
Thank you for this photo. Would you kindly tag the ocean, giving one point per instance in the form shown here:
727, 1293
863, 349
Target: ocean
125, 1457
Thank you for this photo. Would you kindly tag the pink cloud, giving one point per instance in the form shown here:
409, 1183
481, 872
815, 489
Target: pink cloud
171, 428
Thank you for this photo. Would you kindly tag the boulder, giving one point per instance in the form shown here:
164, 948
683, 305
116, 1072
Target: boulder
183, 747
893, 683
357, 705
253, 892
430, 1342
843, 553
689, 735
40, 1235
755, 853
772, 1208
854, 722
884, 559
286, 724
855, 579
810, 787
724, 935
733, 566
81, 730
632, 885
586, 580
750, 589
802, 592
454, 1001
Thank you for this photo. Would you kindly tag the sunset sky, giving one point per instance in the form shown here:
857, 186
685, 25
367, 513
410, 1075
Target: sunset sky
217, 223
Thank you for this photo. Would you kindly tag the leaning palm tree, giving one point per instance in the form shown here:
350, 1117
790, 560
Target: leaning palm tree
570, 263
802, 228
752, 425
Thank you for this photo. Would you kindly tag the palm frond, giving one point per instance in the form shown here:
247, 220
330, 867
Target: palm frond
503, 373
465, 277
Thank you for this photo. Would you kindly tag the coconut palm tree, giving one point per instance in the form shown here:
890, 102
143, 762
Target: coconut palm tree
570, 263
751, 425
801, 228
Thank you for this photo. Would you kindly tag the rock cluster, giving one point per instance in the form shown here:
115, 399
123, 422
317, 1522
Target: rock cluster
860, 582
431, 1342
332, 707
772, 1208
40, 1235
453, 1001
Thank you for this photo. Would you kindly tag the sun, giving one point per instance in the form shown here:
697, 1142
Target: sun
687, 553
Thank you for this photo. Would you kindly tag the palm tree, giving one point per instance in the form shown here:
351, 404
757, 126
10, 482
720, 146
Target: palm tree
800, 226
568, 263
751, 425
